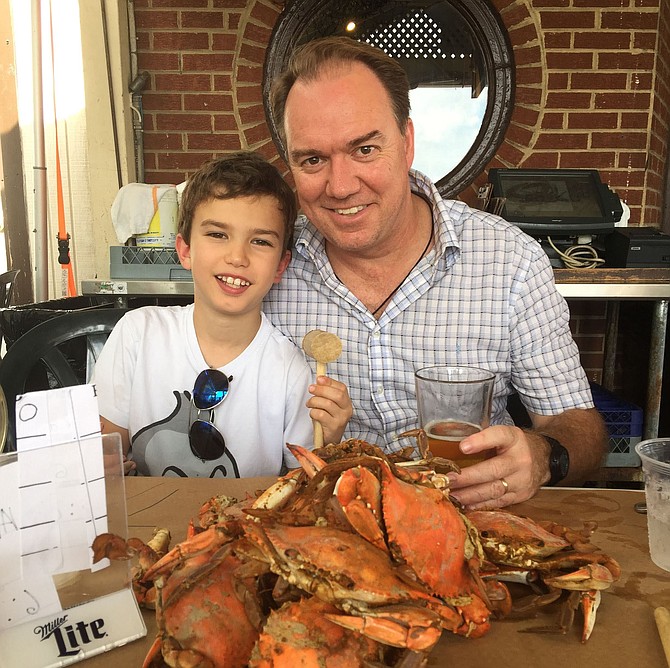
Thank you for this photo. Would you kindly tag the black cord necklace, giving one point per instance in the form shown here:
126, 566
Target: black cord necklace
397, 287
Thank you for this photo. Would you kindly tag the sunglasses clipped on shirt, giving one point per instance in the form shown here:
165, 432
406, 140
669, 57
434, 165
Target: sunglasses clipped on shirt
210, 389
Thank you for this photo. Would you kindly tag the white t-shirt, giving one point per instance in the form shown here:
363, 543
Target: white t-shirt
144, 379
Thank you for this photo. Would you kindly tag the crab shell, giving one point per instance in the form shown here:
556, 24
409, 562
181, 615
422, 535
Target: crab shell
203, 614
514, 540
345, 570
300, 634
424, 530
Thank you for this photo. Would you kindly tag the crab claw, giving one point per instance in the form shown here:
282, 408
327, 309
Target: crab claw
585, 584
590, 600
275, 495
114, 547
111, 546
359, 493
421, 440
154, 657
398, 626
591, 576
201, 544
310, 462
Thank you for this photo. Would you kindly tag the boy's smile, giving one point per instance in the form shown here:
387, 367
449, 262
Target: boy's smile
236, 282
235, 254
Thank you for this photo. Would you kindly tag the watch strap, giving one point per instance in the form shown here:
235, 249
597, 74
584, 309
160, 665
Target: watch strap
559, 460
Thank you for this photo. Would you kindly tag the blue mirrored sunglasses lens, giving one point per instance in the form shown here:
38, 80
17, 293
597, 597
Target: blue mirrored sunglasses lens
210, 389
206, 440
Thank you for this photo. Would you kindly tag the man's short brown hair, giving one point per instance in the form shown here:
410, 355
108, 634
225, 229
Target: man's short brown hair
241, 174
310, 60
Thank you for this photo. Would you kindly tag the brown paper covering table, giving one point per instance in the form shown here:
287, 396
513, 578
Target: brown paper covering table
625, 634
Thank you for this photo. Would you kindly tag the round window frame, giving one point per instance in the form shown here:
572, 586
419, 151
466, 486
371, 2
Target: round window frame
490, 37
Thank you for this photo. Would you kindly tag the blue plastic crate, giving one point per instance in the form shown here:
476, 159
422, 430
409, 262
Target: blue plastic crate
624, 422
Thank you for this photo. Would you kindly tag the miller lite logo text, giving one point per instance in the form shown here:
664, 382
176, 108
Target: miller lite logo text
70, 637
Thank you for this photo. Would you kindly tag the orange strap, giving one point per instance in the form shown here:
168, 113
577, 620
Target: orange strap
63, 236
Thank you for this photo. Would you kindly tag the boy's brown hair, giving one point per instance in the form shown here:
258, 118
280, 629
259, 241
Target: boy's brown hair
241, 174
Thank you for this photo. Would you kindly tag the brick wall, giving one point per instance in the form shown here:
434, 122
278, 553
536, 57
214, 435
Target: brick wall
587, 94
660, 122
593, 89
205, 58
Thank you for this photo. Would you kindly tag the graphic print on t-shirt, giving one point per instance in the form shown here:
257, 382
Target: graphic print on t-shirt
163, 446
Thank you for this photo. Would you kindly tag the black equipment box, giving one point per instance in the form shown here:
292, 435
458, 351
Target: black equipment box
637, 247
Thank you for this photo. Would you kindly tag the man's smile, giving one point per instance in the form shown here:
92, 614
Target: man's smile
351, 210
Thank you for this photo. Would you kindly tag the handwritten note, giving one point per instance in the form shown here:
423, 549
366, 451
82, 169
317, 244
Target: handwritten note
20, 600
61, 478
52, 500
10, 543
52, 417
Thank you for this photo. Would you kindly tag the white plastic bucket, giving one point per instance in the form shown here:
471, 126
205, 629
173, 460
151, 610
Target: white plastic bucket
163, 227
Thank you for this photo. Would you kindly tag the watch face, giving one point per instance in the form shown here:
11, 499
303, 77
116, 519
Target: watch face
559, 461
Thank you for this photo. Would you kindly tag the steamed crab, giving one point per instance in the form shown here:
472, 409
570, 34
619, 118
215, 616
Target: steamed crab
207, 611
300, 633
561, 559
357, 552
409, 516
143, 555
345, 570
380, 500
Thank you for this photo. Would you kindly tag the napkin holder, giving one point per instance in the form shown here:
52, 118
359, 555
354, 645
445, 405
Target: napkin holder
98, 609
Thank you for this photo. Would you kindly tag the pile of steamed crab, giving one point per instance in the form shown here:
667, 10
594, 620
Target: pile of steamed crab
356, 558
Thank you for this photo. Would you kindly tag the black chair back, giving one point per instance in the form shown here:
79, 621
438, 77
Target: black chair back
44, 358
7, 287
6, 291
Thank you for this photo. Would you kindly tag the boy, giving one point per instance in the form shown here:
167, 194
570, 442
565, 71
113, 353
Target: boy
213, 389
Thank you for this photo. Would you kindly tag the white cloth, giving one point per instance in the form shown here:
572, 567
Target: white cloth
625, 216
134, 207
144, 379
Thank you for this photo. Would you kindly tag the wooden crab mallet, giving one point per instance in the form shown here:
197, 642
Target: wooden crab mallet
323, 347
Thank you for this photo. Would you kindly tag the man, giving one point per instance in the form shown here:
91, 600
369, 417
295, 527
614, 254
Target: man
408, 280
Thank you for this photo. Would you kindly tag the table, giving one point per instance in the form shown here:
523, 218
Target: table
610, 285
625, 633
